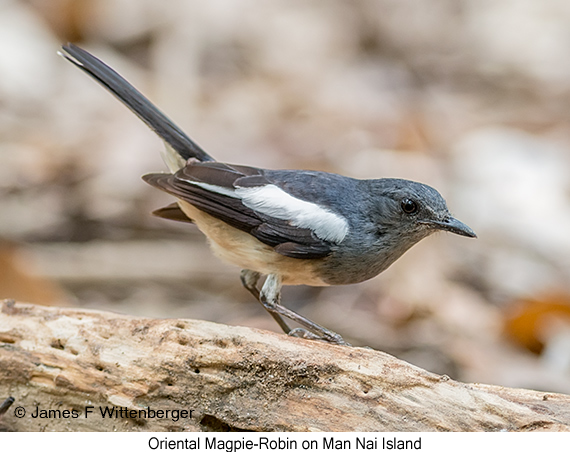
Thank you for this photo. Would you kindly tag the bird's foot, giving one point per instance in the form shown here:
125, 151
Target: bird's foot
330, 336
305, 334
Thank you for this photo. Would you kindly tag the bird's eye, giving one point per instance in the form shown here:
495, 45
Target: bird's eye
409, 206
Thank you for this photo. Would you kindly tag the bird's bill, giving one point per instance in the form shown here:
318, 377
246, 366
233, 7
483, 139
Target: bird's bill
454, 225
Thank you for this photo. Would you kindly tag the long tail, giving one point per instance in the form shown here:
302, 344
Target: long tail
136, 102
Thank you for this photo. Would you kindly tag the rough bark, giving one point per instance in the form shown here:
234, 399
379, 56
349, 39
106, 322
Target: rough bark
233, 378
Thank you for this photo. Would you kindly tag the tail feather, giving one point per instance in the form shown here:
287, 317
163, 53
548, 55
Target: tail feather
136, 102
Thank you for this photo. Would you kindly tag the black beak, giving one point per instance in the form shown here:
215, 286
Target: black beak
451, 224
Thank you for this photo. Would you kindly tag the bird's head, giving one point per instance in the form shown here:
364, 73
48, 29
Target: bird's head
413, 209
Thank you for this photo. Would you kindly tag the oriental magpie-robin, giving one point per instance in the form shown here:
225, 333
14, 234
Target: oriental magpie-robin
293, 226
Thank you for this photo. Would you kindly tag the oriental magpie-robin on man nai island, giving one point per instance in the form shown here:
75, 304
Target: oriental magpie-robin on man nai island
292, 226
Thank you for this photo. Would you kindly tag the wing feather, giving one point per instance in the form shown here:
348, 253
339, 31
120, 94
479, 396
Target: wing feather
197, 184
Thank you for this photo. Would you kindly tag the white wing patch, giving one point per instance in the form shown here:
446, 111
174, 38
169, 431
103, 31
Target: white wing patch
271, 200
215, 188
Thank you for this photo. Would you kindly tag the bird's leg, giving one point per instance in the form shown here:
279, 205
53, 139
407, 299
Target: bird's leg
249, 279
270, 296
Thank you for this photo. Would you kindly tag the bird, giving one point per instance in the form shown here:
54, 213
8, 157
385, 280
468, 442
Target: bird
289, 226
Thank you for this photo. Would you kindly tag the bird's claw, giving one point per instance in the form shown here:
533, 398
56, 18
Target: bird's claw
303, 333
333, 338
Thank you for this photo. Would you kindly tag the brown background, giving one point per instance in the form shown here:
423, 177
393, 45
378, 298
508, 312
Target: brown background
470, 97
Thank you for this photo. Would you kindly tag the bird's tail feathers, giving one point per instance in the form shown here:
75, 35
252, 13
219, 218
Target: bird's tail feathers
176, 140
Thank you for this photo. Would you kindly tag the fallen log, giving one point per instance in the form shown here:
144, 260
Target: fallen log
84, 370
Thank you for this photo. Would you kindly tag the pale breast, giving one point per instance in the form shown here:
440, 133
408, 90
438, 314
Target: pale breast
241, 249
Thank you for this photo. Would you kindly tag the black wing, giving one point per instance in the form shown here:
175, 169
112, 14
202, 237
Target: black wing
285, 238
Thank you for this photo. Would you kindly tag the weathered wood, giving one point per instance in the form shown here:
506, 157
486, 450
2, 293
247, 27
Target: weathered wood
233, 378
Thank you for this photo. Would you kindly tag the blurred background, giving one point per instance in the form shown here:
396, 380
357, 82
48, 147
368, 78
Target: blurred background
471, 97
